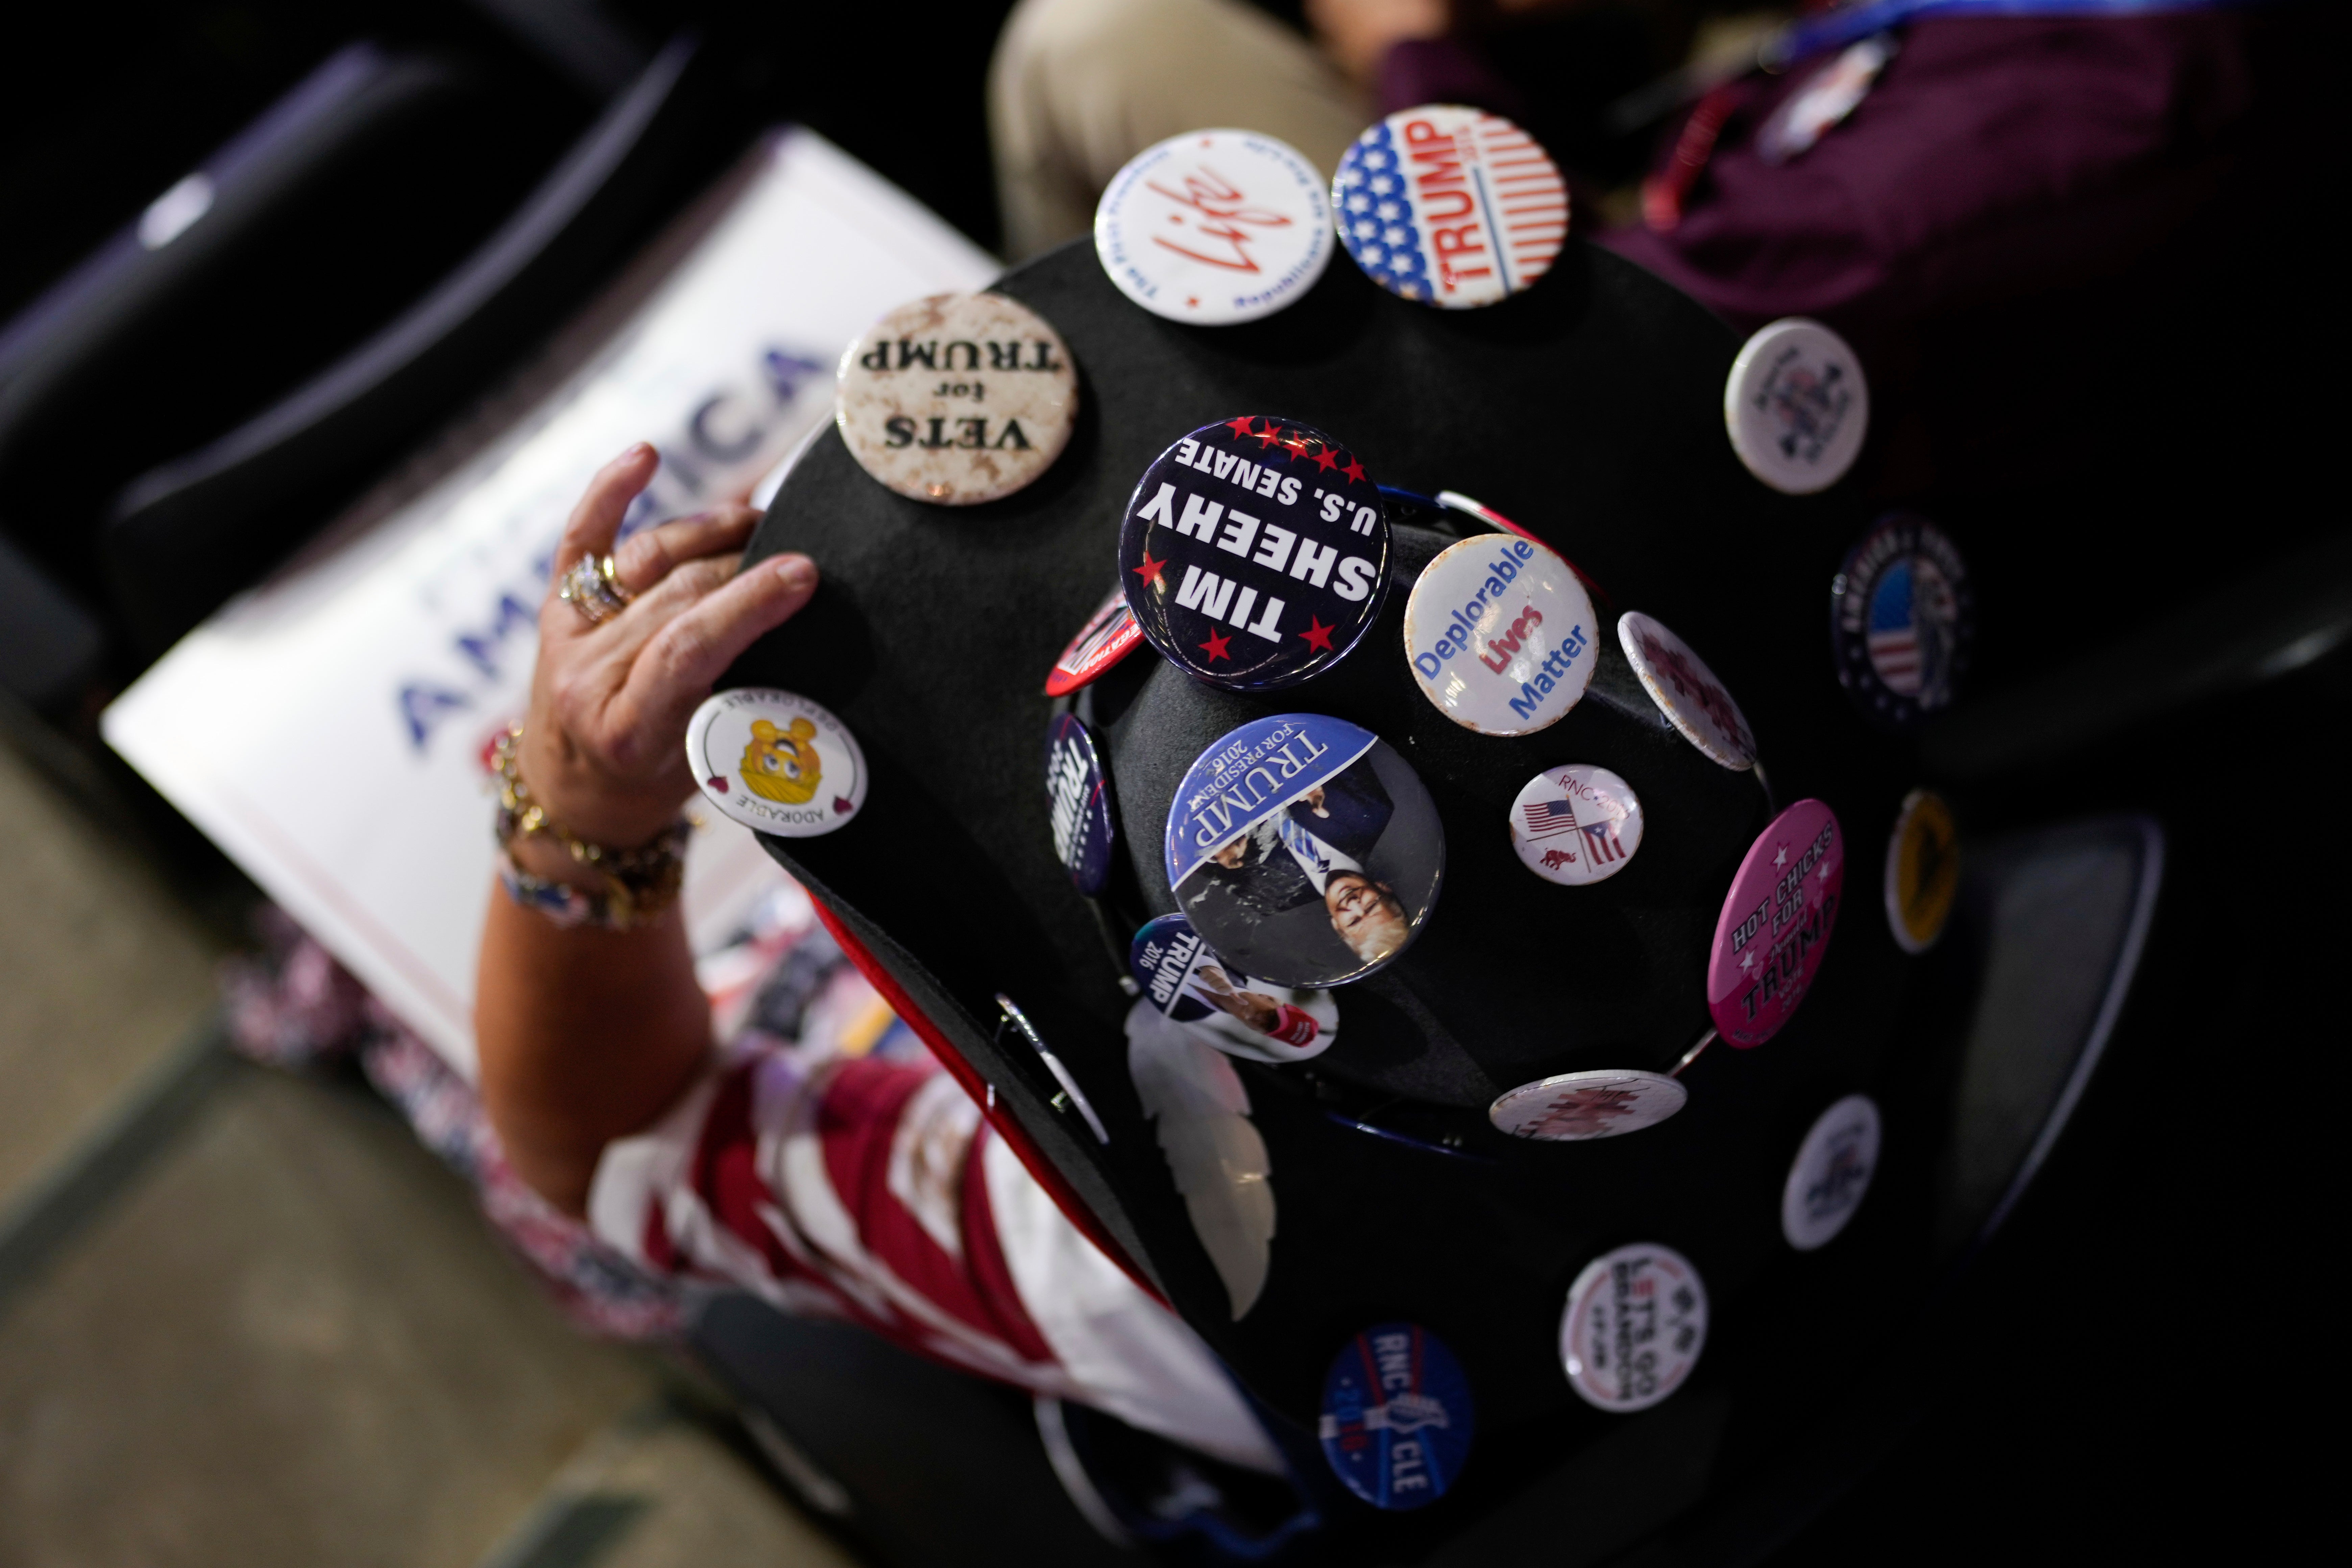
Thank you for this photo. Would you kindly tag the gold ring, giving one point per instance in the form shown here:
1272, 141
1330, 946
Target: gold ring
590, 588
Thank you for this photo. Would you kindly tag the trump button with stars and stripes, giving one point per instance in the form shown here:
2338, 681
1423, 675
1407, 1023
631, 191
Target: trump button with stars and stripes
1450, 206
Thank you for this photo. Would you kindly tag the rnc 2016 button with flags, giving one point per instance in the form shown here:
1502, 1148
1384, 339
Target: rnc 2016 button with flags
1396, 1421
1576, 824
1254, 552
1450, 206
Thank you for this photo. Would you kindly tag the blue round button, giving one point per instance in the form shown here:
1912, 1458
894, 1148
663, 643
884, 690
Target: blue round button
1254, 552
1078, 791
1902, 621
1396, 1419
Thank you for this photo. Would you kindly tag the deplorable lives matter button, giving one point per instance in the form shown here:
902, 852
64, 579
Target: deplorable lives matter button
1576, 1106
1776, 923
1214, 228
1634, 1325
1396, 1419
1450, 206
1576, 824
1796, 405
1830, 1173
957, 399
1192, 986
1687, 691
1923, 870
1305, 849
1110, 634
776, 762
1499, 634
1254, 552
1077, 793
1902, 620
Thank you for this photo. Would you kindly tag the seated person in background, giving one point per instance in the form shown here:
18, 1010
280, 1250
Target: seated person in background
864, 1189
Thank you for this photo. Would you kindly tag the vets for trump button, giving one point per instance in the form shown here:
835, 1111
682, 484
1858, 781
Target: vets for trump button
1902, 621
1687, 691
1396, 1421
1576, 824
776, 762
1077, 793
1499, 634
1796, 405
957, 399
1633, 1328
1450, 206
1254, 552
1186, 980
1830, 1173
1110, 634
1214, 228
1577, 1106
1776, 923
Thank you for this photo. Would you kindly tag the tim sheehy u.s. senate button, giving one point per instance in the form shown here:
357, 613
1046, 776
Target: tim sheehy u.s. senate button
775, 761
1830, 1173
1396, 1421
1923, 870
1776, 923
1078, 794
1577, 1106
1633, 1328
1902, 621
1576, 824
1193, 986
1110, 634
1305, 849
1450, 206
1499, 634
1214, 228
1796, 405
1254, 552
1687, 691
957, 399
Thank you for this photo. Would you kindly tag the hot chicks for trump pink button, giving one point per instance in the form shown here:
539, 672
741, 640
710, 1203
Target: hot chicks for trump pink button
1776, 923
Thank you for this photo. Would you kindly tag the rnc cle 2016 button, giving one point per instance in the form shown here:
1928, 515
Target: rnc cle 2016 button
1902, 621
1078, 794
957, 399
1450, 206
1110, 634
1776, 923
1687, 691
1214, 228
1576, 824
1499, 634
1831, 1175
1634, 1325
1396, 1419
776, 762
1254, 552
1796, 405
1192, 985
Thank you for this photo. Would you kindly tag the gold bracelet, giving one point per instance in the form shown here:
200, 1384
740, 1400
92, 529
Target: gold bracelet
641, 883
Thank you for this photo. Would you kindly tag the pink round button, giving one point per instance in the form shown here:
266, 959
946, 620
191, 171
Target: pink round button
1776, 923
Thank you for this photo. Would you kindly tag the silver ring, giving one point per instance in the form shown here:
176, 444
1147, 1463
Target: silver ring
590, 588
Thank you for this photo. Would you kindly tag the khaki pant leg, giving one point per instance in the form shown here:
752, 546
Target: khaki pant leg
1079, 87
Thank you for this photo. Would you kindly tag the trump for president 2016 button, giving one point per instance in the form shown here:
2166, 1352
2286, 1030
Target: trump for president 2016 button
1499, 634
1215, 227
1450, 206
1197, 987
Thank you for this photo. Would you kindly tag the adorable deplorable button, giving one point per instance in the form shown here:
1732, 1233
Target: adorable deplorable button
1796, 405
1577, 1106
1830, 1173
1305, 849
1687, 691
1634, 1325
1192, 985
1254, 552
1214, 228
957, 399
1776, 923
1079, 795
1396, 1419
1499, 634
1902, 621
1576, 824
776, 762
1449, 206
1110, 634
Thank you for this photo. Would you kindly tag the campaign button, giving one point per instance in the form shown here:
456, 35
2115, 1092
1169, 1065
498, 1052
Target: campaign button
1687, 691
1573, 1107
1396, 1419
1499, 634
1576, 824
1110, 634
1255, 553
1923, 870
1305, 849
775, 762
1450, 206
1776, 923
1214, 228
1796, 405
1633, 1328
1830, 1173
1902, 620
957, 399
1217, 1004
1077, 789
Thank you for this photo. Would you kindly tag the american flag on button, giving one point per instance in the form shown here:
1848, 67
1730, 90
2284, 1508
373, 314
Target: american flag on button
1547, 817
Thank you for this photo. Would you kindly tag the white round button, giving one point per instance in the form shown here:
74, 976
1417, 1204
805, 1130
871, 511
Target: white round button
775, 762
1687, 691
1575, 1106
1576, 824
1215, 226
1633, 1328
1796, 405
1499, 634
1830, 1173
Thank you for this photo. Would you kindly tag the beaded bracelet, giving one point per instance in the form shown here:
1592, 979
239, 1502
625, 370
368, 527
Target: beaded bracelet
642, 883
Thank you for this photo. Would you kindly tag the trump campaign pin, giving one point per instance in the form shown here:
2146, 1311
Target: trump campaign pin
775, 762
1499, 634
1110, 634
1576, 1106
1254, 552
958, 399
1687, 691
1830, 1173
1576, 824
1775, 925
1077, 793
1396, 1419
1215, 227
1305, 849
1633, 1328
1923, 870
1796, 405
1450, 206
1184, 978
1902, 620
